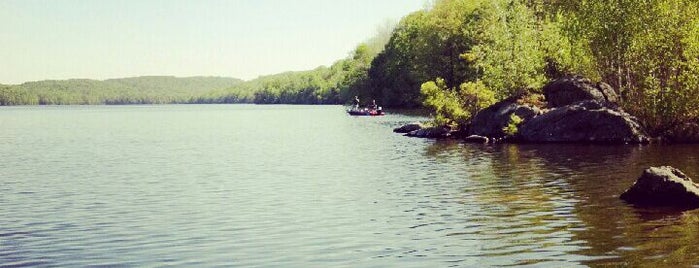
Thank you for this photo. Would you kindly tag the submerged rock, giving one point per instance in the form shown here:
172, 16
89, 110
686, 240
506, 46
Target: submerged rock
476, 139
407, 128
663, 186
584, 122
490, 121
574, 89
431, 133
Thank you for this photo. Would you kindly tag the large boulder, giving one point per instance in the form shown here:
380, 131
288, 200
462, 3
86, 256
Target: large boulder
663, 186
431, 133
584, 122
573, 89
490, 121
407, 128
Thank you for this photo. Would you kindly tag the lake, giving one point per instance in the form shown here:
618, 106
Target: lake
309, 186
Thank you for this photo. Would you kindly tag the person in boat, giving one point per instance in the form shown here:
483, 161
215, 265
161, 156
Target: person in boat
373, 105
356, 102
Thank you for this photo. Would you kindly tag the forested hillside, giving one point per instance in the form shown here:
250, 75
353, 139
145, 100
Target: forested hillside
136, 90
337, 84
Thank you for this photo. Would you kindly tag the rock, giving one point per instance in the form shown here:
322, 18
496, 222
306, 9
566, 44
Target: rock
572, 89
663, 186
584, 122
490, 121
476, 139
683, 133
408, 128
460, 133
608, 92
431, 133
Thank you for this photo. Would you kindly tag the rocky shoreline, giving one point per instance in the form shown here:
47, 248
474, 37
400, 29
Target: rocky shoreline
573, 110
576, 110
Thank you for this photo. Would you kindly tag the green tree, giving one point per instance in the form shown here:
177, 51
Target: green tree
510, 50
646, 50
454, 106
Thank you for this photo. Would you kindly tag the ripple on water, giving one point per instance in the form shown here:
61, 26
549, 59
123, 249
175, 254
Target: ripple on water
312, 187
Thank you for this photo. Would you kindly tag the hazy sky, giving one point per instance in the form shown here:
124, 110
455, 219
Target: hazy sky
60, 39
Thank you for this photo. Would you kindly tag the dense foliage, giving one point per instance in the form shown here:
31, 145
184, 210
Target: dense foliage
647, 50
456, 106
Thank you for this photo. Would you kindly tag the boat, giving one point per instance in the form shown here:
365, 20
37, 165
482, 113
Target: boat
365, 112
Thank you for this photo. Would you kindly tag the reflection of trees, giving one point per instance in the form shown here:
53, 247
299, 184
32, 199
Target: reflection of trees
521, 209
566, 197
441, 147
597, 175
590, 173
537, 195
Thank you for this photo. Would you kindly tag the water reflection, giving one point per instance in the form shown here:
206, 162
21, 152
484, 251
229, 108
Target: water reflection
537, 203
210, 186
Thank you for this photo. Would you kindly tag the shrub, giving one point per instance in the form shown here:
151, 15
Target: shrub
511, 128
455, 106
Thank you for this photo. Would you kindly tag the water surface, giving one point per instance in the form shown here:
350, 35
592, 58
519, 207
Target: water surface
309, 186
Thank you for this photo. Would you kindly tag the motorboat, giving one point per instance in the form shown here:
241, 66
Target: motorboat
354, 111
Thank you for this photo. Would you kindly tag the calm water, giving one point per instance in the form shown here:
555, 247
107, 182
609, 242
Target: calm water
308, 186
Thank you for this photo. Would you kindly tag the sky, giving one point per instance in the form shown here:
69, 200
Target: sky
63, 39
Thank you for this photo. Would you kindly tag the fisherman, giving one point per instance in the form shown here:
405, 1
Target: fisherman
356, 102
373, 105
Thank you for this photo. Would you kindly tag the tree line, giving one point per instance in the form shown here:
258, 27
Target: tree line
136, 90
